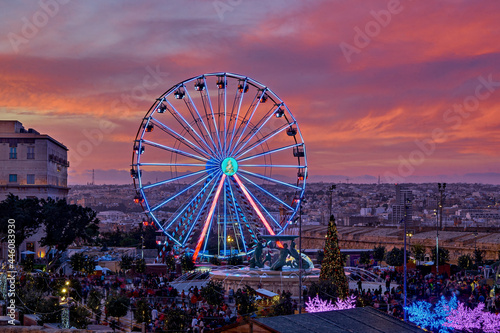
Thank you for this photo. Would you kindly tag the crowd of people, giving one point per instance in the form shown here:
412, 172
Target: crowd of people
469, 289
198, 316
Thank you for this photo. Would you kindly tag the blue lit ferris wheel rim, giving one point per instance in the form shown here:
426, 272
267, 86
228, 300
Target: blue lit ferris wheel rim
222, 156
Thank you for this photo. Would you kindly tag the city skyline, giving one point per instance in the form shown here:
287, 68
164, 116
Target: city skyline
398, 89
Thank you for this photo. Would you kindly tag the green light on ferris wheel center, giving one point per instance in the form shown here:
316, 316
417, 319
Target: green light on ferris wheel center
229, 166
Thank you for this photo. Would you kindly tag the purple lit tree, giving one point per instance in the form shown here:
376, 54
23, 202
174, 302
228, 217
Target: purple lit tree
473, 320
319, 305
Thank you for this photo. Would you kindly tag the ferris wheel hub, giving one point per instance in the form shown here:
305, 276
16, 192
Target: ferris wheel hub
229, 166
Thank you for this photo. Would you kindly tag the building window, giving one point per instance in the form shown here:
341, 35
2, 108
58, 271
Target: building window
31, 153
12, 178
30, 179
13, 153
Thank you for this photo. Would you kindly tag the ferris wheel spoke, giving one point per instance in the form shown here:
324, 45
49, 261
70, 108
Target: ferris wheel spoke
264, 209
170, 164
272, 151
272, 166
179, 214
237, 101
209, 217
174, 150
262, 140
254, 205
161, 204
185, 124
270, 179
202, 209
200, 118
224, 102
173, 179
247, 122
253, 132
181, 138
207, 101
235, 212
268, 193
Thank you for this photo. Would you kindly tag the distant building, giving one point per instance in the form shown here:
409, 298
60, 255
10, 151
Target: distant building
31, 164
402, 208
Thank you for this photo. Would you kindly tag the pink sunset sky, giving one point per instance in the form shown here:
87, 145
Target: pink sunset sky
405, 90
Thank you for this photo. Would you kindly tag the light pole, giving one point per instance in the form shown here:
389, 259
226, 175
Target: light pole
439, 222
300, 255
65, 312
404, 258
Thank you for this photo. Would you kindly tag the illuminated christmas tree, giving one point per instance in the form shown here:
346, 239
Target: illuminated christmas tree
332, 267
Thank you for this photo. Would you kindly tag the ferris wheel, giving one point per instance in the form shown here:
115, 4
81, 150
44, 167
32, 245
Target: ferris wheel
218, 161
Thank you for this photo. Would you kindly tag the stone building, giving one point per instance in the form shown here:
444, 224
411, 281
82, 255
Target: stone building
31, 164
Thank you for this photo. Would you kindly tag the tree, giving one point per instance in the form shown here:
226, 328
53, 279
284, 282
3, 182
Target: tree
80, 262
213, 292
444, 255
395, 257
27, 264
478, 257
418, 251
142, 313
465, 262
245, 301
27, 217
64, 223
379, 253
89, 264
284, 306
77, 262
94, 303
117, 305
187, 263
175, 320
332, 268
140, 265
78, 316
169, 260
126, 262
365, 258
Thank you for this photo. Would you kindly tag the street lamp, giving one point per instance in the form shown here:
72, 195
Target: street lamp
65, 302
439, 221
230, 242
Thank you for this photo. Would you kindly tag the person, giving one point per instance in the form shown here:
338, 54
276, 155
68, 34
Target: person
194, 324
154, 314
231, 295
